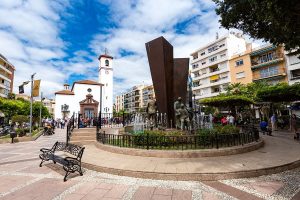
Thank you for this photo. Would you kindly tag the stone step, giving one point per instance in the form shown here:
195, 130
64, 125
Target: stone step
83, 134
84, 138
83, 142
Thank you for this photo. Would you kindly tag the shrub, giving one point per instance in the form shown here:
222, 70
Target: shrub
218, 129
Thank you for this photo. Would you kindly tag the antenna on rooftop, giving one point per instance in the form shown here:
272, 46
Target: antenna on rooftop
217, 35
106, 51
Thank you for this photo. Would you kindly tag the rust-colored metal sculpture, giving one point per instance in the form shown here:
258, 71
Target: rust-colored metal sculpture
169, 76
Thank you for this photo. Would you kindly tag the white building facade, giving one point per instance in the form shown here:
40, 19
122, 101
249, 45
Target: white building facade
210, 65
72, 98
85, 96
293, 68
106, 78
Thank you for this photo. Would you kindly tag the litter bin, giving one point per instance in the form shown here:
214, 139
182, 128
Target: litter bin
13, 134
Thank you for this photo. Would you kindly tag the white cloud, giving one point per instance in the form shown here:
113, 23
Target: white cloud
29, 36
138, 22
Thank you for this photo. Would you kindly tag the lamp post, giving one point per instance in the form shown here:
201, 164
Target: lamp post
31, 101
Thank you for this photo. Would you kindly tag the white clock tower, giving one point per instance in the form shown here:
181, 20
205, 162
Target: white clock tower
106, 78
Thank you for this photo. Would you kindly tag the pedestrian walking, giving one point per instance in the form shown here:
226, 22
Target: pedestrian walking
273, 122
293, 126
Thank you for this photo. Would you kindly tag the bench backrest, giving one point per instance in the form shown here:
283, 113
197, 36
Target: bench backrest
69, 148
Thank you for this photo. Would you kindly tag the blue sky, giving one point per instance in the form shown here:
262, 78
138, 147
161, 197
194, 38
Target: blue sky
61, 40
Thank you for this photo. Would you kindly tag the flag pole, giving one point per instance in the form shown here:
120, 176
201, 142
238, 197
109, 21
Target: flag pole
31, 101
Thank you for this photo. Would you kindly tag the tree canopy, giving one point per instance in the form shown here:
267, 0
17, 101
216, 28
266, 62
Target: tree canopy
238, 94
12, 107
279, 93
274, 21
227, 101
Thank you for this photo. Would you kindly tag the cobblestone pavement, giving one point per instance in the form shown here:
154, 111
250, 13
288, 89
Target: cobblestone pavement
22, 178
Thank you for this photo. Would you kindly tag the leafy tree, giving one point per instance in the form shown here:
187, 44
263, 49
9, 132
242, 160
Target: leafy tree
11, 95
20, 119
274, 21
11, 107
227, 101
279, 93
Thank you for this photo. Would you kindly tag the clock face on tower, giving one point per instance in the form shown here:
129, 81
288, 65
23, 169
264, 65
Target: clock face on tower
106, 72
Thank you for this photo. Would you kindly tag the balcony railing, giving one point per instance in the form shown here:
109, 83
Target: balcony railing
258, 75
256, 63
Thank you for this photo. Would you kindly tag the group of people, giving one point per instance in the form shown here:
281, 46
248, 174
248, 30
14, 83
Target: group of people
58, 123
228, 120
275, 122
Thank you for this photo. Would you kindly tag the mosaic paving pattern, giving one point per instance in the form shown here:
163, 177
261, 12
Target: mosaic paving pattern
22, 178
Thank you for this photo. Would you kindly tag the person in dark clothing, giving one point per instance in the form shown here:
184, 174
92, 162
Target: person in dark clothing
264, 127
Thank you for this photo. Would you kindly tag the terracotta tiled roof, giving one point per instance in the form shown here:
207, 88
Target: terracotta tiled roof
105, 56
65, 92
88, 82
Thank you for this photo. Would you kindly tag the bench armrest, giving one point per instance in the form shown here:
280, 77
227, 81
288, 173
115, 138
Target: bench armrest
72, 161
44, 150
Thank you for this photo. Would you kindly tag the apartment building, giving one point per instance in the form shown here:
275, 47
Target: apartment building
49, 104
23, 96
133, 99
6, 76
210, 65
293, 67
148, 92
268, 64
240, 67
119, 103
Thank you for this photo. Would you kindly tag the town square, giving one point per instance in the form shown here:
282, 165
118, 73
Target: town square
149, 100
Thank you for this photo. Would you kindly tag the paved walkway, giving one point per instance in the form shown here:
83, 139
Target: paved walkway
21, 178
277, 151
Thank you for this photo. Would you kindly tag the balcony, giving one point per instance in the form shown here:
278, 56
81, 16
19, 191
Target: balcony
262, 49
257, 63
268, 74
5, 69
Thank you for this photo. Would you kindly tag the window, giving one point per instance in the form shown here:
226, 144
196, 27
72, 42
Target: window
214, 48
223, 55
195, 66
212, 59
295, 74
106, 63
195, 56
203, 63
221, 45
239, 63
267, 57
214, 90
203, 71
240, 75
203, 53
270, 71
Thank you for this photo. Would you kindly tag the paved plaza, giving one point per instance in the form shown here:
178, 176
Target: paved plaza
22, 178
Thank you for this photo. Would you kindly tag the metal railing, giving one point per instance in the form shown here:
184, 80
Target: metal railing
70, 128
180, 142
